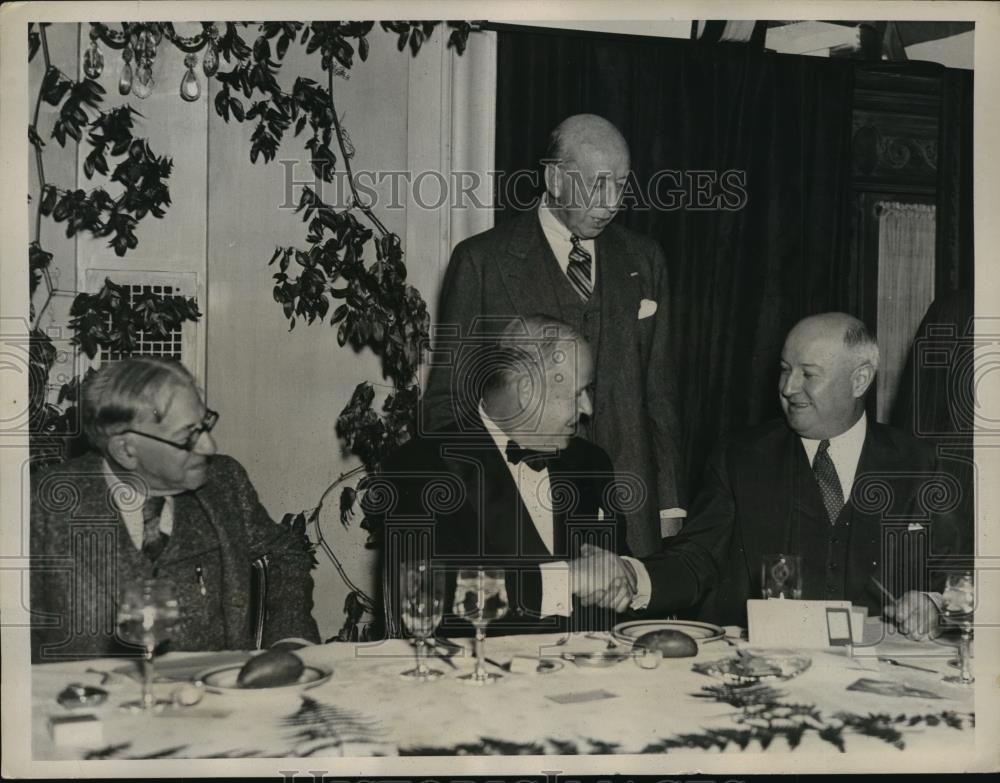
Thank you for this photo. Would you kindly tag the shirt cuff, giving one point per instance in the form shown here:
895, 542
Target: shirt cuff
671, 521
644, 586
555, 589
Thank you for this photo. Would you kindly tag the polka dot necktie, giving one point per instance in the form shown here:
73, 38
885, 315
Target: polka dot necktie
578, 269
829, 484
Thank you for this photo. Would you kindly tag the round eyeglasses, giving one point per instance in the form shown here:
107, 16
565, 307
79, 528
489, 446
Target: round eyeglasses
205, 425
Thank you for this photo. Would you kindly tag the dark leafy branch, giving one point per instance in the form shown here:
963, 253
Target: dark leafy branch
369, 302
109, 319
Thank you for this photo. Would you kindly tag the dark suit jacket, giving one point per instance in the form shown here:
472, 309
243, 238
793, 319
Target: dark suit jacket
451, 495
760, 497
82, 556
499, 273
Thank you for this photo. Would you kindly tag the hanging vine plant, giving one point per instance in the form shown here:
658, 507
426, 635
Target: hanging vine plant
110, 319
332, 279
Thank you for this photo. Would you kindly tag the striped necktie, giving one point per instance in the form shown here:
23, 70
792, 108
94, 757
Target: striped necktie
829, 483
153, 540
578, 269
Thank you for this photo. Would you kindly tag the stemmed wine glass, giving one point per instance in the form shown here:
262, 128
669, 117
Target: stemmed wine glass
147, 612
422, 597
480, 597
959, 602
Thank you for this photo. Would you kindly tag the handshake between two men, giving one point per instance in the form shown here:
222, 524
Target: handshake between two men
601, 578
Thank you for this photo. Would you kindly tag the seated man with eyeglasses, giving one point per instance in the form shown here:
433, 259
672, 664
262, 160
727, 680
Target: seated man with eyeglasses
154, 500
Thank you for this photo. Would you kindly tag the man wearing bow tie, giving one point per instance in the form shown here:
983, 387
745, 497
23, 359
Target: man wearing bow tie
569, 259
154, 500
520, 491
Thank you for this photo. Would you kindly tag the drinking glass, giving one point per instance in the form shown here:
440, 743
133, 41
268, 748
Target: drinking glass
147, 612
422, 597
781, 576
959, 602
481, 597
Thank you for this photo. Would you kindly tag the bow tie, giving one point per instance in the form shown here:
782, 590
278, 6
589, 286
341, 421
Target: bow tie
536, 460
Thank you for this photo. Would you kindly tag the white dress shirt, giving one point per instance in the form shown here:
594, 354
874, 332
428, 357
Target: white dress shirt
129, 499
844, 451
558, 237
534, 488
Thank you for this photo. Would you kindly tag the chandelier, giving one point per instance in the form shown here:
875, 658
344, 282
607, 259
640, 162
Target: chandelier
138, 42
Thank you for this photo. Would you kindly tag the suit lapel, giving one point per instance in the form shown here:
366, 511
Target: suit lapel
523, 266
780, 517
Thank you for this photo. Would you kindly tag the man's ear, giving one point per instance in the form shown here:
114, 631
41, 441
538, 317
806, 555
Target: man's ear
524, 391
553, 182
861, 379
122, 450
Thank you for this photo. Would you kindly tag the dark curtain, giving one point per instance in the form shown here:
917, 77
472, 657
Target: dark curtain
955, 262
742, 270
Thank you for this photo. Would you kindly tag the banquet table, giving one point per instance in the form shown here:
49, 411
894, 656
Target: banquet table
366, 708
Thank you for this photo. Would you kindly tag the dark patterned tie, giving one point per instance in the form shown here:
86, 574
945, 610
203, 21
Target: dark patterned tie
153, 540
829, 484
578, 269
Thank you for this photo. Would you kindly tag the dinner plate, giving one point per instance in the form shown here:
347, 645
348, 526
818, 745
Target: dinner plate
700, 632
222, 680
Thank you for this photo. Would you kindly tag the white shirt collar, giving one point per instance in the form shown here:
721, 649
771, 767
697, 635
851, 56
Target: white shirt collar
559, 239
550, 223
129, 499
845, 452
500, 438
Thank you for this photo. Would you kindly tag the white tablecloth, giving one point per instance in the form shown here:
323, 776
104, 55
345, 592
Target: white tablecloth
367, 708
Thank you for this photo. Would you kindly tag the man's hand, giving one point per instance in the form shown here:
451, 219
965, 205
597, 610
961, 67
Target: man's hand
915, 615
602, 578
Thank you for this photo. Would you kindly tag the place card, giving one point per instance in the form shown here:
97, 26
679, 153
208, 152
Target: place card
81, 731
578, 697
889, 688
782, 622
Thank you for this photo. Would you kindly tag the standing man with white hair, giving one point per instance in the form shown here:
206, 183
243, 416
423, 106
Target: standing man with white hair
569, 260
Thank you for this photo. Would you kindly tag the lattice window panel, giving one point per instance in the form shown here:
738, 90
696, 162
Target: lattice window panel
150, 344
185, 344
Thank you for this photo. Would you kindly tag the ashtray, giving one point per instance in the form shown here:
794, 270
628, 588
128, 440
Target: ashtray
76, 695
597, 659
751, 667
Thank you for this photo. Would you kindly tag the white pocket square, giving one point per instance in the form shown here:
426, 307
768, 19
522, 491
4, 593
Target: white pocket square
646, 308
914, 526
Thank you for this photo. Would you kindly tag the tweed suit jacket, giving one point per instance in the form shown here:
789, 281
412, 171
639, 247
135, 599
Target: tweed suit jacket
452, 496
761, 497
82, 556
498, 275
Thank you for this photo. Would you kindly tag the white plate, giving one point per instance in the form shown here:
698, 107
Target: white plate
628, 632
223, 680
